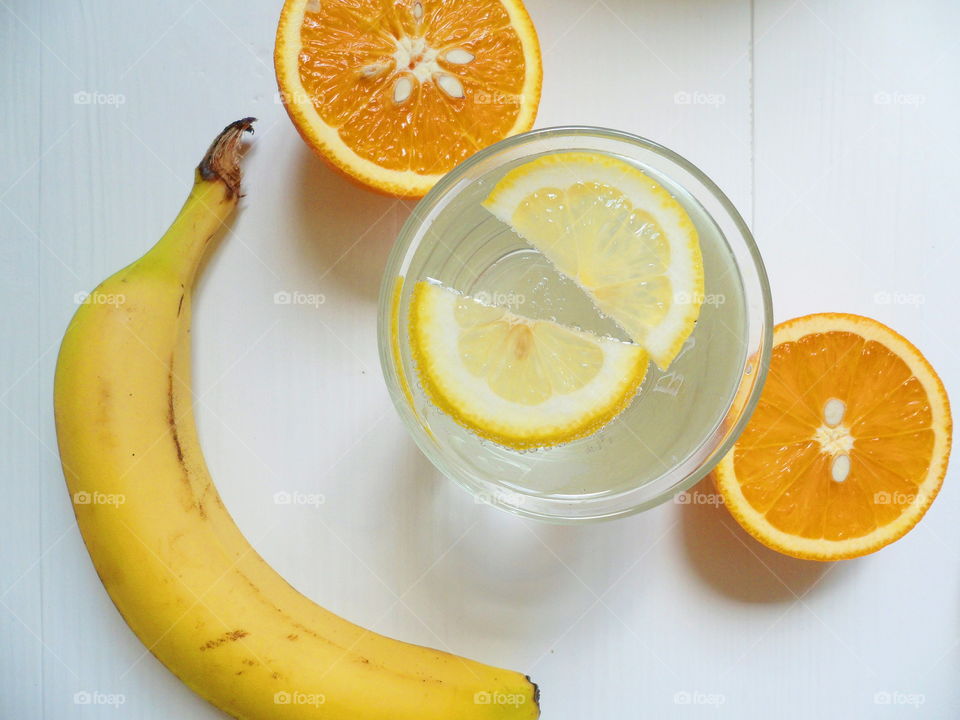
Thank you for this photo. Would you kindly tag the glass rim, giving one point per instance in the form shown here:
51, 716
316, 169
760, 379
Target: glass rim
551, 509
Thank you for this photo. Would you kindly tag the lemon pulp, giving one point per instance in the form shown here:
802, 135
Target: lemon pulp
618, 234
520, 382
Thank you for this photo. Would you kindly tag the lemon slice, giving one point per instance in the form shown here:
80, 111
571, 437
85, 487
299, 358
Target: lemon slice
520, 382
618, 234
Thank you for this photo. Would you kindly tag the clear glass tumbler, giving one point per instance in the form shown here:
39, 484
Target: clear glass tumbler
682, 420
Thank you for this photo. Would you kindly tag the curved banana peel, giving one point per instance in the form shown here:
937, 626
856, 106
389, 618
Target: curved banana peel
175, 564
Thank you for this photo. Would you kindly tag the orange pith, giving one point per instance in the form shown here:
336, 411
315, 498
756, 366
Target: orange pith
848, 444
397, 92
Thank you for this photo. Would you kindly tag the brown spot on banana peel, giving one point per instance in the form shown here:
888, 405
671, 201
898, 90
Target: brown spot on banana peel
358, 658
286, 616
355, 657
346, 650
231, 636
172, 420
180, 304
222, 161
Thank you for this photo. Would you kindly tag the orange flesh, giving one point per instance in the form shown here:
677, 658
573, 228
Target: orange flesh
888, 416
431, 131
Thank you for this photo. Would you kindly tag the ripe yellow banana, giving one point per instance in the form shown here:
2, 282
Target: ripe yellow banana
177, 567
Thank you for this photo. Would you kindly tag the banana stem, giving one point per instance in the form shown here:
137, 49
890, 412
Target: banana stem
222, 161
212, 199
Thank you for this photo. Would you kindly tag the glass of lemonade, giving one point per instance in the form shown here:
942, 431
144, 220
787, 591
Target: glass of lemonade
681, 421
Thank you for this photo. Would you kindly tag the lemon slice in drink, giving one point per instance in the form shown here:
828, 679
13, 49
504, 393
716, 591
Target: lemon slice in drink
520, 382
618, 234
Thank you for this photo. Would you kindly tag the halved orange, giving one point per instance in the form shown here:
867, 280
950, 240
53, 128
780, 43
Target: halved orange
848, 445
395, 93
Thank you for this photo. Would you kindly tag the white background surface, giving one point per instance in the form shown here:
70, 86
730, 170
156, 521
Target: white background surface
832, 126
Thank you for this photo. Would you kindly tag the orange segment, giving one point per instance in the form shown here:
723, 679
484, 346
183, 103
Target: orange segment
397, 92
848, 444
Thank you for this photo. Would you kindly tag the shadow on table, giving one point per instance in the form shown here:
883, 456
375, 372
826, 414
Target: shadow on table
345, 231
734, 563
512, 583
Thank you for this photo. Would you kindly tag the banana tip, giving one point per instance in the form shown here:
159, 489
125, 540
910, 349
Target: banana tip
536, 693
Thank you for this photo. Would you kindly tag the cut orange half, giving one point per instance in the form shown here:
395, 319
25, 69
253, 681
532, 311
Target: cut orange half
848, 445
395, 93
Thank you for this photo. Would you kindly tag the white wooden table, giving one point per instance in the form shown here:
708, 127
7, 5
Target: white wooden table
832, 126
